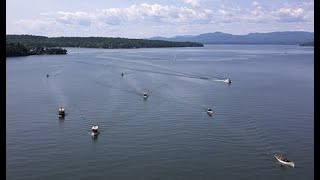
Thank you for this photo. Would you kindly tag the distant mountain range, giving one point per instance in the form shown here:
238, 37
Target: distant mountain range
286, 37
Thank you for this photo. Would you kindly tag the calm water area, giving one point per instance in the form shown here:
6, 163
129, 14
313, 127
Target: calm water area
267, 109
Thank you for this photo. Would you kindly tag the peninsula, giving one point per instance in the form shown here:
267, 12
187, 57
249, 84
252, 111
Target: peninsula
17, 49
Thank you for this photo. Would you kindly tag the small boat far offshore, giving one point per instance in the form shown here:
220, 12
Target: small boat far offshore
209, 111
284, 160
61, 112
94, 130
228, 81
145, 95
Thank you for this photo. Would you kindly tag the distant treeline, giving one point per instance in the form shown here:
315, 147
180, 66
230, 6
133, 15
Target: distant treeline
18, 49
307, 44
95, 42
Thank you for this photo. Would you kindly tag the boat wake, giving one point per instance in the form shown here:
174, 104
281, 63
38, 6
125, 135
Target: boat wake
57, 92
167, 71
267, 148
219, 80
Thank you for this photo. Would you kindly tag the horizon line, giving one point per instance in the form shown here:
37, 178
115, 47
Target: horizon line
163, 36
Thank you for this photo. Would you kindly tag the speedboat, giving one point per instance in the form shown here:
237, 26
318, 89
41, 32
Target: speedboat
209, 111
228, 81
61, 112
284, 160
94, 130
145, 95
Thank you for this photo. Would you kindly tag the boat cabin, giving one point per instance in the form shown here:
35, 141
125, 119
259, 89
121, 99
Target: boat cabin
61, 111
282, 158
145, 94
95, 129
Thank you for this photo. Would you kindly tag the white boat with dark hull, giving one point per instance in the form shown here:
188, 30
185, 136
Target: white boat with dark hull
145, 95
94, 130
62, 112
209, 111
284, 160
228, 81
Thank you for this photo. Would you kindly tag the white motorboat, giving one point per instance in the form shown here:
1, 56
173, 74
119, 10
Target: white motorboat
210, 111
228, 81
145, 95
284, 160
95, 130
61, 112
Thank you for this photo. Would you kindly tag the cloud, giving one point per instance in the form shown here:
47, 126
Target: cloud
147, 18
136, 13
192, 2
289, 14
294, 13
286, 13
39, 25
77, 18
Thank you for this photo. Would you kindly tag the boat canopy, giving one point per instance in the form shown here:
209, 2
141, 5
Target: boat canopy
95, 127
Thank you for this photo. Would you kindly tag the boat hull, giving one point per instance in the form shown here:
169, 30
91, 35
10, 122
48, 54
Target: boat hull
61, 112
94, 133
284, 162
61, 115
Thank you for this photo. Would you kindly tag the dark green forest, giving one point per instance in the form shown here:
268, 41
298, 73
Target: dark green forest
22, 45
95, 42
18, 49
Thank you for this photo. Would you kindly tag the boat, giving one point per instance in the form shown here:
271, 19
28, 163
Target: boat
284, 160
209, 111
145, 95
228, 81
94, 130
47, 75
62, 112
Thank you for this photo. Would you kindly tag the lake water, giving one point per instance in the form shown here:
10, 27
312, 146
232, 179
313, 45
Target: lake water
268, 109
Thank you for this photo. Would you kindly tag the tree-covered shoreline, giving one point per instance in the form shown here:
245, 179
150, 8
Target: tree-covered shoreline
307, 44
95, 42
23, 45
18, 49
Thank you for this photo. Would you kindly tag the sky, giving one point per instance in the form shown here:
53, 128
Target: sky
145, 19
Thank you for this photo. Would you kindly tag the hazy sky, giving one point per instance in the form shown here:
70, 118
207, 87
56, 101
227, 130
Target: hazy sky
144, 18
